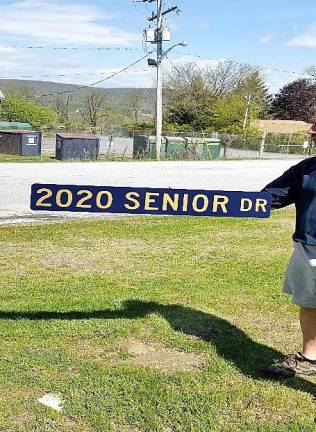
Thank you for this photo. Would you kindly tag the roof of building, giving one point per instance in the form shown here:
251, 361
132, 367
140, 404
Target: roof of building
17, 131
75, 136
281, 126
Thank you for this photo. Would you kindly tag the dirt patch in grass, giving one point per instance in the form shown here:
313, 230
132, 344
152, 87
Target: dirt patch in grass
157, 356
139, 353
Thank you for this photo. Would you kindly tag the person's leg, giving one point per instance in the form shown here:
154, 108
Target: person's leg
300, 283
308, 326
303, 363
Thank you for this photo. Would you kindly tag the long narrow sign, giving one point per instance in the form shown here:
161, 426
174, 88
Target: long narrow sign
177, 202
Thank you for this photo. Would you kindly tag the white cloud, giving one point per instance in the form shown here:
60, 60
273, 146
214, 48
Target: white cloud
31, 64
5, 50
16, 63
276, 79
55, 23
305, 40
266, 38
59, 22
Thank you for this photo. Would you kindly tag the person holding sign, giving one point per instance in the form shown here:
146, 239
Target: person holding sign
298, 186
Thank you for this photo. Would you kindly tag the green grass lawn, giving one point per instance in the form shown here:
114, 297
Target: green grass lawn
149, 324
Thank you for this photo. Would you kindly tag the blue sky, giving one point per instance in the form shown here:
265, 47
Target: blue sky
274, 34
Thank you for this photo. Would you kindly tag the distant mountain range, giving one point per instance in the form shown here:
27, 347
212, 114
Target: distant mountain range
116, 96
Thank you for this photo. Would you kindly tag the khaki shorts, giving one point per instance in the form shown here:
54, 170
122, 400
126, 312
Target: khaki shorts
300, 276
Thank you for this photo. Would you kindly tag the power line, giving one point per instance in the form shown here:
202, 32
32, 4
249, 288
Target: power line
177, 69
263, 68
65, 48
65, 75
97, 82
26, 76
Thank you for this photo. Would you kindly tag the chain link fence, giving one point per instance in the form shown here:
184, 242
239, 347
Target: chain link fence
265, 145
124, 144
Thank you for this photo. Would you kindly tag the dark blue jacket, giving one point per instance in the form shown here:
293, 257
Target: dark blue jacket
298, 186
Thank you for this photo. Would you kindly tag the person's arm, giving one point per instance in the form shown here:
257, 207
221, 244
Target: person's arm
284, 188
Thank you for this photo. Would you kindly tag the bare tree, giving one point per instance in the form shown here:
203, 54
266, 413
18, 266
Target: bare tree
21, 91
180, 78
135, 101
186, 83
63, 107
96, 109
226, 77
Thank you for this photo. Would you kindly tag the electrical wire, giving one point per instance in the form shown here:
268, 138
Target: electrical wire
65, 75
263, 68
97, 82
177, 69
65, 48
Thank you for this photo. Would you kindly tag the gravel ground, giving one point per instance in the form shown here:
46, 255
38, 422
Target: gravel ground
16, 180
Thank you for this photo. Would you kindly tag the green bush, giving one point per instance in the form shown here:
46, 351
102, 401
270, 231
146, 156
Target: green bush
25, 111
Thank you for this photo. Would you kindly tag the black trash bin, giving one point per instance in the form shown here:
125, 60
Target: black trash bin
77, 146
21, 142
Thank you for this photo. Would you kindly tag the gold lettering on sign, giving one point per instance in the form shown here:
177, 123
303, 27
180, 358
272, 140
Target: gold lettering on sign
220, 201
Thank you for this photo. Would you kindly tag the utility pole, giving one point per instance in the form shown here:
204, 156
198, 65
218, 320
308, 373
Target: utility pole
249, 100
158, 36
159, 80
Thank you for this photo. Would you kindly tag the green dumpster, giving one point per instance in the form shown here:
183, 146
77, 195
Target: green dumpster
203, 148
177, 148
172, 148
211, 148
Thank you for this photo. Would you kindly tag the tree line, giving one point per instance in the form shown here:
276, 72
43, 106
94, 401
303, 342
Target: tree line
226, 97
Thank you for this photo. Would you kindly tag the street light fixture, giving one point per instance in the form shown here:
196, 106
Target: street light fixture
165, 53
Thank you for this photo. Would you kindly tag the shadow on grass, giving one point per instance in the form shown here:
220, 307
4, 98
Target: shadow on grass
230, 342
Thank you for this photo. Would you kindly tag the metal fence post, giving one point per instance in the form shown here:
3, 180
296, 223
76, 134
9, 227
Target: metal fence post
262, 144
